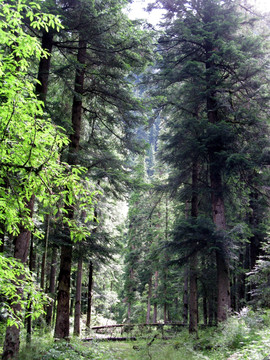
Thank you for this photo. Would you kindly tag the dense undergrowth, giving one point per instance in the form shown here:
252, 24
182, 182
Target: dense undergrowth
243, 336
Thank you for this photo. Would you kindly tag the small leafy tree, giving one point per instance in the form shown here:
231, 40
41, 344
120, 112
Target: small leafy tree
13, 274
30, 146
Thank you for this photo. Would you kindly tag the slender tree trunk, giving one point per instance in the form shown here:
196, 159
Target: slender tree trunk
185, 296
165, 318
2, 224
31, 268
77, 315
241, 281
2, 237
52, 286
193, 262
71, 305
211, 312
149, 297
38, 268
205, 312
186, 280
165, 271
130, 290
155, 298
254, 221
89, 295
234, 293
63, 296
44, 256
193, 296
129, 313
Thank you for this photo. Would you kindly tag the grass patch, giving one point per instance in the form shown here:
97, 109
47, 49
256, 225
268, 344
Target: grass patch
246, 336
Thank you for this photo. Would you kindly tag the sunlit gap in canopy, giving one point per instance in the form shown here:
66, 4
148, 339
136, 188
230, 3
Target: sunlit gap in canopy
137, 10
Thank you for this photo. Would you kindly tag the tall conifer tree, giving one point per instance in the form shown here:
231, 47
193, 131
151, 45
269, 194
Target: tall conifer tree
210, 51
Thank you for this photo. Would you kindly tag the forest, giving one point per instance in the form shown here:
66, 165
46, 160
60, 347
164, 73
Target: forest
134, 181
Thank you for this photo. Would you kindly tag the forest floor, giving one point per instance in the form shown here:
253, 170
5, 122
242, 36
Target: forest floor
180, 347
243, 337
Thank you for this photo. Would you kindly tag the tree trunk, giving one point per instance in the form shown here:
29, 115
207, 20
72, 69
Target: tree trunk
52, 286
218, 209
71, 305
2, 237
29, 309
254, 221
223, 275
205, 312
185, 296
193, 292
62, 312
44, 256
44, 65
77, 315
223, 287
193, 295
129, 313
211, 312
165, 312
149, 297
165, 268
130, 290
234, 293
155, 298
89, 295
241, 280
165, 279
63, 296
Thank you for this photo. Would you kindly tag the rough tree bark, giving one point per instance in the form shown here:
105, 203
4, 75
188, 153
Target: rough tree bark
44, 65
165, 272
89, 295
193, 262
77, 315
45, 253
205, 312
149, 297
185, 296
216, 184
155, 298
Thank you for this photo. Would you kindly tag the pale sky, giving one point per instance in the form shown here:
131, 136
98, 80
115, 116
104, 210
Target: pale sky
263, 5
137, 10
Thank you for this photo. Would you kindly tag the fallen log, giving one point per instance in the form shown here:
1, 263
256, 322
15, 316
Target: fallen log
132, 338
134, 325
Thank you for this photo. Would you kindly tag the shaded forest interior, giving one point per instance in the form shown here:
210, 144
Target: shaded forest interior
134, 183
